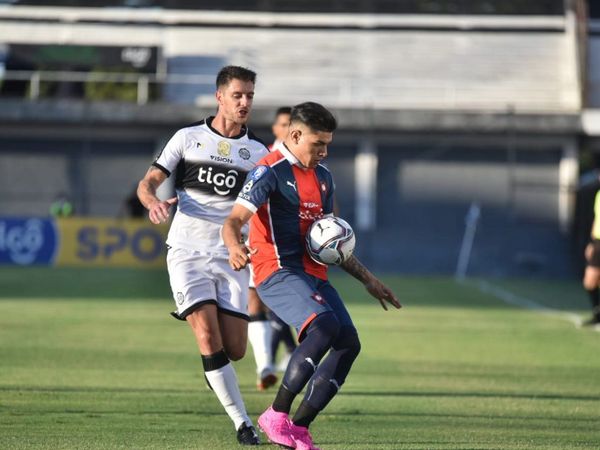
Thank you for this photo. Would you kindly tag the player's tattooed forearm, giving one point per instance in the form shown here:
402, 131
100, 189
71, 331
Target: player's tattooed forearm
355, 268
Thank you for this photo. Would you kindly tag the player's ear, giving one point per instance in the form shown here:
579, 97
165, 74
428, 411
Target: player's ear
296, 135
219, 97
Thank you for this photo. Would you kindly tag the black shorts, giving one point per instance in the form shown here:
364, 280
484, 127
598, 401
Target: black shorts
594, 261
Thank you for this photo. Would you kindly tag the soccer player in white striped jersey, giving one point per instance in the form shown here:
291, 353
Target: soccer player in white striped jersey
211, 159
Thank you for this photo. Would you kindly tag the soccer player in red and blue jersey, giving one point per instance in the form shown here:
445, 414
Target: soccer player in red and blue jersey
283, 195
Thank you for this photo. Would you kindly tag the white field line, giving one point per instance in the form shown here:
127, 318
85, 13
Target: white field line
524, 302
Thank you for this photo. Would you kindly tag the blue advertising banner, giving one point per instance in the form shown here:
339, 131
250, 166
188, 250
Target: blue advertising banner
26, 241
82, 242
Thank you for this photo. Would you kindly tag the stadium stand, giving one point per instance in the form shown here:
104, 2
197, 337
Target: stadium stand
437, 110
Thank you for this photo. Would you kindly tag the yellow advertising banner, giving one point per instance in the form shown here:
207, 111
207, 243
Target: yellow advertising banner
101, 242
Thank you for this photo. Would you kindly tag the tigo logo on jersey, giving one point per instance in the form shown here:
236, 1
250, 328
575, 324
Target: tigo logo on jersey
222, 182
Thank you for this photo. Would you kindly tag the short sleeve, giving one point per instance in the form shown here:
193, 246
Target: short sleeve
171, 154
259, 185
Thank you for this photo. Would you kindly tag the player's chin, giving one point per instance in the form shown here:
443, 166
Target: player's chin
242, 119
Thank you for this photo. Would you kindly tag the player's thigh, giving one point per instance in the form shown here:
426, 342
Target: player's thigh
231, 287
192, 285
293, 296
205, 324
333, 299
591, 277
234, 332
255, 304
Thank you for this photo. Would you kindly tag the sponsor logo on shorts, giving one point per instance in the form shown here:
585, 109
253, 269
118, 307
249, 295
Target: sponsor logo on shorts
180, 298
318, 298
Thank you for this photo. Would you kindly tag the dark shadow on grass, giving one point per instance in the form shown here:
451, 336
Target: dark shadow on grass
486, 416
68, 283
127, 390
473, 394
377, 414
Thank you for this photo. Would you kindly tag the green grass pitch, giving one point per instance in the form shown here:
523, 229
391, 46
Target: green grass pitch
90, 359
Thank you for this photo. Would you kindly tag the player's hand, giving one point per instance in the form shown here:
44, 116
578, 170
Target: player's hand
239, 256
159, 211
382, 293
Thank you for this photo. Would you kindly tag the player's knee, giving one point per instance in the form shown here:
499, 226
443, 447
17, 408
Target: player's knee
348, 341
326, 325
208, 342
237, 351
236, 355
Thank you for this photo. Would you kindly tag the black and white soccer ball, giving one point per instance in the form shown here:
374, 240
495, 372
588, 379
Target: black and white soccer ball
330, 241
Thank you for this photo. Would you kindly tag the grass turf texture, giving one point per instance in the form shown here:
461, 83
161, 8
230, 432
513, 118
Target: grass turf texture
90, 359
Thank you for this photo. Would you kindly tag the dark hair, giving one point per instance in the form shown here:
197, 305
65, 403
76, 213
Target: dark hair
283, 110
314, 116
228, 73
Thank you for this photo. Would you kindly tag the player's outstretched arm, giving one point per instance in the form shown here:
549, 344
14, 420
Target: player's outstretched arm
375, 287
158, 210
239, 253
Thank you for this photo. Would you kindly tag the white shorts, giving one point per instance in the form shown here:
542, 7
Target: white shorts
198, 278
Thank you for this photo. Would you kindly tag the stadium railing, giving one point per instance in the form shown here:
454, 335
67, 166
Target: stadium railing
335, 92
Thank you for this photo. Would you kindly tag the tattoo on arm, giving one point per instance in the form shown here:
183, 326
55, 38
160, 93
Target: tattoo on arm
355, 268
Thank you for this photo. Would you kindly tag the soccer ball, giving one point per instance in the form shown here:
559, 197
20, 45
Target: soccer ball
330, 240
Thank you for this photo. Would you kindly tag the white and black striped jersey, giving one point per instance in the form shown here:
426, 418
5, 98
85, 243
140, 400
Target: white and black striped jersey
210, 170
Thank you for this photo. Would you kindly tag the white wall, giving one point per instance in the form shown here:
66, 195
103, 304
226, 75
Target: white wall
532, 70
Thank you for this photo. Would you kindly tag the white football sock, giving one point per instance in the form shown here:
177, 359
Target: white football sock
225, 384
259, 335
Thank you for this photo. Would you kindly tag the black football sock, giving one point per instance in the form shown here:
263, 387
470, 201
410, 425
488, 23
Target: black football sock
594, 295
283, 400
321, 332
305, 414
260, 317
331, 374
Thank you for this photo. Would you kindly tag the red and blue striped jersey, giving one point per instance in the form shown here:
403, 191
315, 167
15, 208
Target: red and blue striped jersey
287, 198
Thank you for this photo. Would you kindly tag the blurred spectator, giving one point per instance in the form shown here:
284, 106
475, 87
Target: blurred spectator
62, 206
591, 278
131, 206
280, 126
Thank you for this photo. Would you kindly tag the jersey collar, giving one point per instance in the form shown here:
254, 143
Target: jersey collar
289, 156
241, 134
